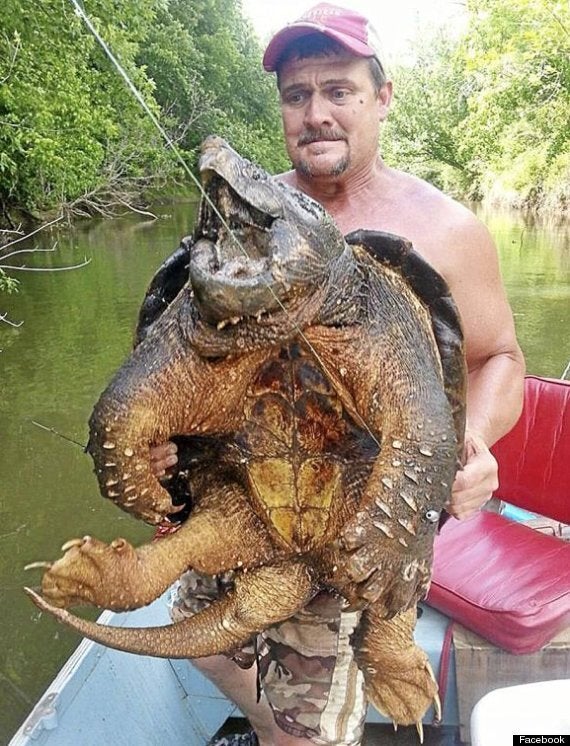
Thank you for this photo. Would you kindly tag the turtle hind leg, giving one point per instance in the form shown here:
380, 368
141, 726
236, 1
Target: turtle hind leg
261, 598
223, 533
399, 679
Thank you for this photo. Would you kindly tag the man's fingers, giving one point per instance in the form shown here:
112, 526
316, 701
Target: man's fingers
169, 461
162, 457
475, 483
164, 451
466, 508
461, 481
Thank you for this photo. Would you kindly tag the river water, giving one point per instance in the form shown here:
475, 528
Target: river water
77, 328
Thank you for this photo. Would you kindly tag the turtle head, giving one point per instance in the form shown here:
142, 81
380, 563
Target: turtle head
258, 244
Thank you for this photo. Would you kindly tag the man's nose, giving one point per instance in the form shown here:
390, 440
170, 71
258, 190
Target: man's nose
317, 112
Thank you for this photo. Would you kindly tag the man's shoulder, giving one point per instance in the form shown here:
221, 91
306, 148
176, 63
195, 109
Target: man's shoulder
437, 224
425, 196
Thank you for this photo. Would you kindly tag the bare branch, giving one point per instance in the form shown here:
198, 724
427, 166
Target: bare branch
18, 231
8, 279
84, 263
118, 188
5, 320
33, 233
39, 269
26, 251
140, 212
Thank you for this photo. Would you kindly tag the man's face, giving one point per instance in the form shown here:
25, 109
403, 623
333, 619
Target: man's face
331, 114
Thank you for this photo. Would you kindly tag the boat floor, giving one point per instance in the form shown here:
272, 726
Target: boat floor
377, 734
100, 687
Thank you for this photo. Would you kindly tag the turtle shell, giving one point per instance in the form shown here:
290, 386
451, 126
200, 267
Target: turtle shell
298, 451
432, 290
167, 282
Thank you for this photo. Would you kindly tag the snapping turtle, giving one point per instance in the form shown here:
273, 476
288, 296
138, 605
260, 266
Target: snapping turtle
320, 382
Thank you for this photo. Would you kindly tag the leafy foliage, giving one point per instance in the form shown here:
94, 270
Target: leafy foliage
8, 284
205, 61
70, 132
59, 102
485, 115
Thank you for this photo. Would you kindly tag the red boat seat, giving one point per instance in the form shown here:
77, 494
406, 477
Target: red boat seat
534, 458
501, 579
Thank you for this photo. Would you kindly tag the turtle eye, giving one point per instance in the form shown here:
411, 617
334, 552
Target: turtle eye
432, 516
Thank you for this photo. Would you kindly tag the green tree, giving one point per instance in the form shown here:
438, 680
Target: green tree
487, 115
67, 125
206, 62
72, 135
429, 105
517, 56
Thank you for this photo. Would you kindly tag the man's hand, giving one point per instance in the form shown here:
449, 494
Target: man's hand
475, 484
162, 457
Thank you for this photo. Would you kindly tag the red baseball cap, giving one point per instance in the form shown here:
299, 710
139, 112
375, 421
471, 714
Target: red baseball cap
349, 28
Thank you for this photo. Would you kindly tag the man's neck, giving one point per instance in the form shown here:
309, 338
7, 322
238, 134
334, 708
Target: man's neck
343, 195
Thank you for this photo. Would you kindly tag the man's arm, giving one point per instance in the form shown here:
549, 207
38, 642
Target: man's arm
489, 416
495, 363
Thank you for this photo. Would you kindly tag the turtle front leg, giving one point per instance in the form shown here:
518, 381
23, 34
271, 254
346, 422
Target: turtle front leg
386, 546
222, 534
399, 679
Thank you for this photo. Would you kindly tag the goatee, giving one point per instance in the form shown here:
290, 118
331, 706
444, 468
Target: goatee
305, 168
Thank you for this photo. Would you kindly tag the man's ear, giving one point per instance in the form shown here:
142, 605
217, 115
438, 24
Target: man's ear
384, 100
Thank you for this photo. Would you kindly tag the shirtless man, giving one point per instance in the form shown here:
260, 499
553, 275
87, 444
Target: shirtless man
334, 96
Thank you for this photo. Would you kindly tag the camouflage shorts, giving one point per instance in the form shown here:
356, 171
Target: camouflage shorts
306, 666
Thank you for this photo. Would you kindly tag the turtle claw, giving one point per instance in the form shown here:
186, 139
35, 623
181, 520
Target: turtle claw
437, 707
38, 566
399, 679
436, 702
420, 729
72, 543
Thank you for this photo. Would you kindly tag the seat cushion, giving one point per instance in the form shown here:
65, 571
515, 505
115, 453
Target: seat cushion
503, 580
533, 457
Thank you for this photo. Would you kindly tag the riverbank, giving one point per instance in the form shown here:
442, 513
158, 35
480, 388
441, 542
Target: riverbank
17, 221
552, 203
496, 192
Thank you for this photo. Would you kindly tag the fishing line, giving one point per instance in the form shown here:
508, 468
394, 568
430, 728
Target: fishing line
137, 94
59, 435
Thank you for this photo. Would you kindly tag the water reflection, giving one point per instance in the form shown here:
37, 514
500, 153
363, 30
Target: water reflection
77, 329
535, 263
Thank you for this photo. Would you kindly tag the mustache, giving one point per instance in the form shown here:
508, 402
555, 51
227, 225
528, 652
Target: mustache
309, 136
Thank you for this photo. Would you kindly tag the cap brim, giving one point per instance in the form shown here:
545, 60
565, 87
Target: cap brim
283, 38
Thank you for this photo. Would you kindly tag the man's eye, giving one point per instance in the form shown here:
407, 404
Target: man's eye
295, 98
339, 94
